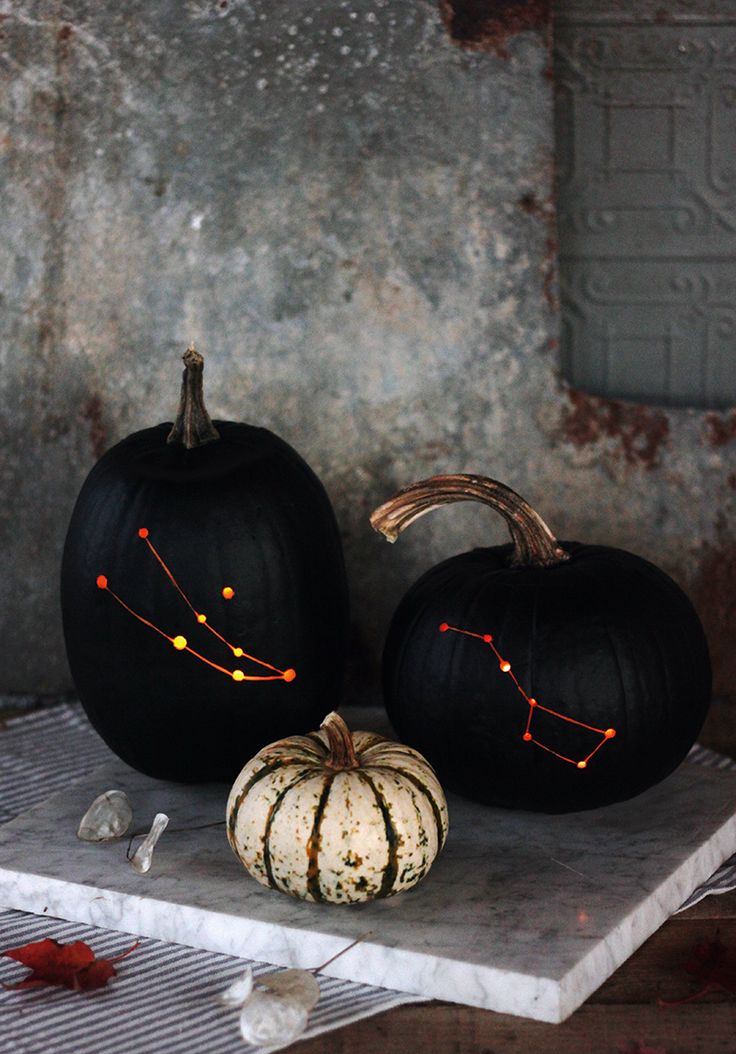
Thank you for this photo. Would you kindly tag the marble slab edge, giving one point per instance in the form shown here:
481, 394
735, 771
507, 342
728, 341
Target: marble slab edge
407, 971
612, 951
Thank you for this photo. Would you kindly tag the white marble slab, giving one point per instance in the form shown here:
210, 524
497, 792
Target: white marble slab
521, 913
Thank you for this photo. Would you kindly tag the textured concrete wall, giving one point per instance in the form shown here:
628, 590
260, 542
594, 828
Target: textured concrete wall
349, 211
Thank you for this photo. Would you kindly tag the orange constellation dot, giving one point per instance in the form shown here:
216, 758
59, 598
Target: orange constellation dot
143, 532
179, 643
487, 638
201, 618
238, 675
228, 592
610, 733
101, 582
505, 666
532, 702
582, 764
443, 627
289, 675
237, 652
526, 737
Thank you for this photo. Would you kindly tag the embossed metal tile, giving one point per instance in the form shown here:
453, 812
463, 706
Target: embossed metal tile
646, 151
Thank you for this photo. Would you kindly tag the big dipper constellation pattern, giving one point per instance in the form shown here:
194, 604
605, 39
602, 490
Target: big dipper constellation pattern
181, 643
505, 667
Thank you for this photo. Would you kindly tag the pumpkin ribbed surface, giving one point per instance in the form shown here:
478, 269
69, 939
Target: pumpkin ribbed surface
323, 833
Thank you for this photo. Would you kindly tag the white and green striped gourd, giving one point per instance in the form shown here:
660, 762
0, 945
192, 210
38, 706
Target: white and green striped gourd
339, 817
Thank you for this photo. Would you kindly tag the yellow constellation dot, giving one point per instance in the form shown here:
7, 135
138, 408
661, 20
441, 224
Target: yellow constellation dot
610, 733
289, 675
179, 643
201, 618
505, 666
237, 652
228, 592
582, 764
238, 675
532, 702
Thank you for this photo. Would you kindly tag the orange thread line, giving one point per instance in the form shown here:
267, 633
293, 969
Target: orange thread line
196, 654
170, 576
229, 673
194, 611
136, 615
572, 720
555, 713
244, 655
595, 750
551, 751
468, 633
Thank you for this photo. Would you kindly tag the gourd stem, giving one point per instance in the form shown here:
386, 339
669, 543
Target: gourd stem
342, 749
534, 543
193, 426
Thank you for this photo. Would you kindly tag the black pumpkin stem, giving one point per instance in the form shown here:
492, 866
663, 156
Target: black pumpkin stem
342, 749
534, 543
193, 426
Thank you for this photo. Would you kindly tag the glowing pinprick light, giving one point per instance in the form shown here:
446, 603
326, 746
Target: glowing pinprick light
534, 705
180, 642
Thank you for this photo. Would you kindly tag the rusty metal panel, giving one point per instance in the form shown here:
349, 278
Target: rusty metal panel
646, 149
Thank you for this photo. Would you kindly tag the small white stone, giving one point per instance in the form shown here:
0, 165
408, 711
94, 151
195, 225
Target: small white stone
261, 83
143, 856
109, 816
300, 985
268, 1020
240, 990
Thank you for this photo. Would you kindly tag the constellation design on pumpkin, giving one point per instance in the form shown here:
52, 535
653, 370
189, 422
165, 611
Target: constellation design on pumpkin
505, 667
181, 643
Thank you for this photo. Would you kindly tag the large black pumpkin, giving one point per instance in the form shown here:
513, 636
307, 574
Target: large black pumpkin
203, 593
541, 675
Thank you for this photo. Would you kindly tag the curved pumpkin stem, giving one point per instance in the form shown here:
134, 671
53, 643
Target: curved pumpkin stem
193, 426
342, 749
533, 541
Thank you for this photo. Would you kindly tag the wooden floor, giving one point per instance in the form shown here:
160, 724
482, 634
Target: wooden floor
622, 1017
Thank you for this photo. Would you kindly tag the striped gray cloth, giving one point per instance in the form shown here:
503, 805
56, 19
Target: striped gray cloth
724, 879
164, 1000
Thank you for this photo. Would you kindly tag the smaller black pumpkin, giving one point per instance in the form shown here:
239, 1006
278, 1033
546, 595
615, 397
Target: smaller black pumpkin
541, 675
